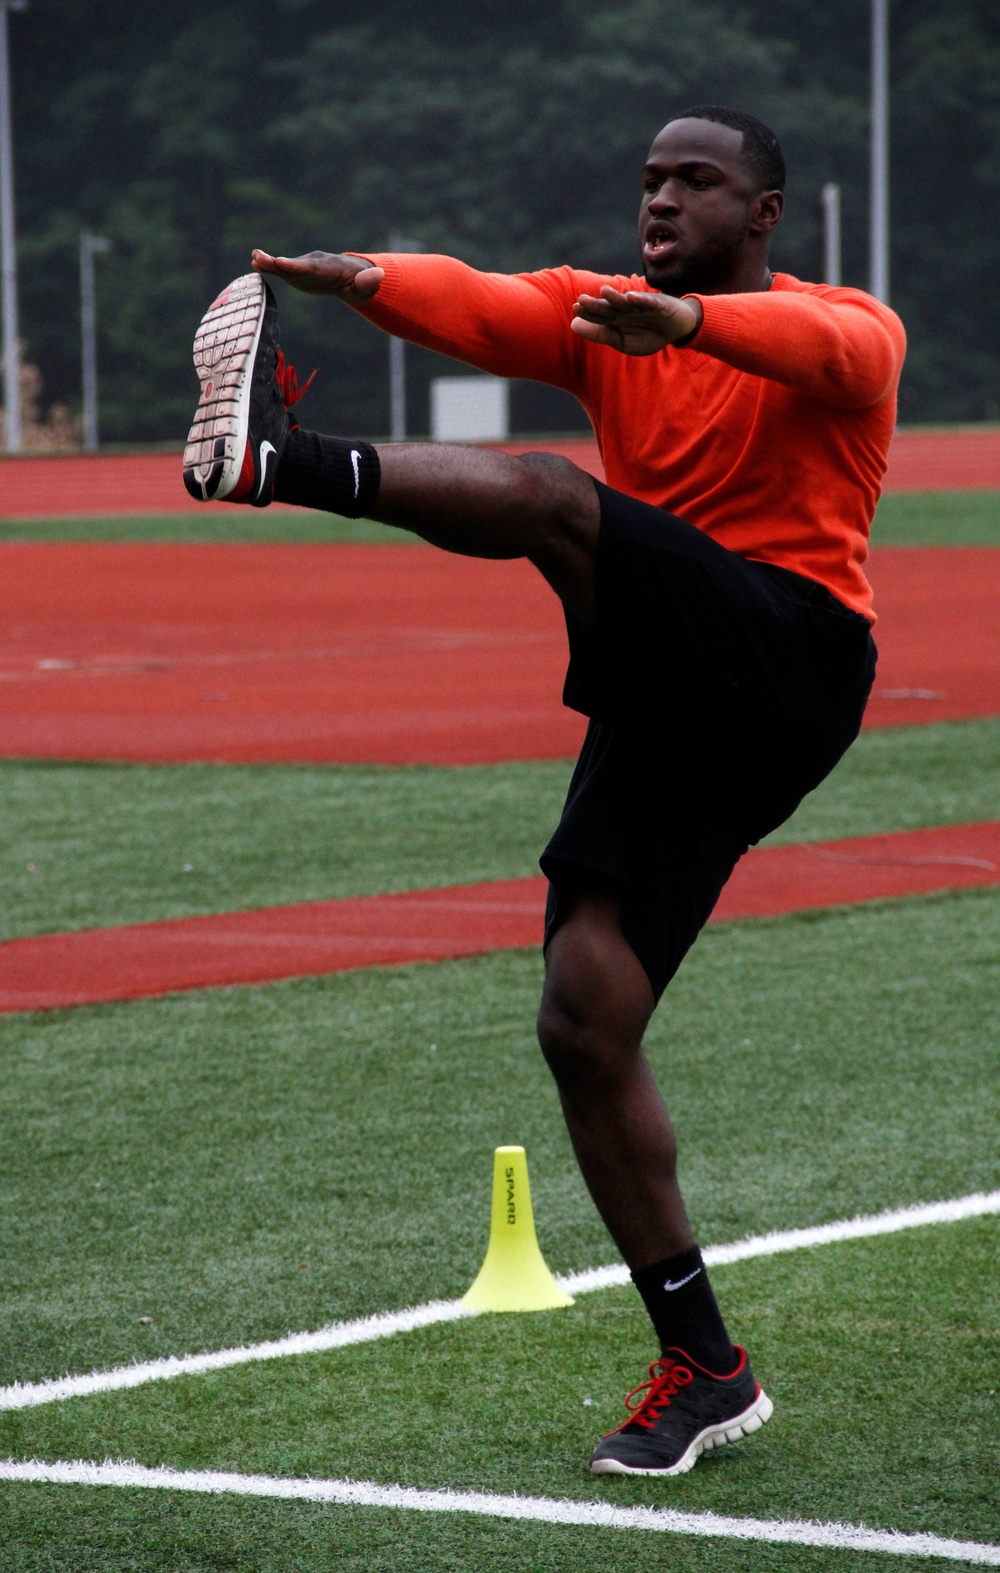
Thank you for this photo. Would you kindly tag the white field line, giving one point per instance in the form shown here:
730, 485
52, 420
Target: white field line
538, 1510
339, 1335
974, 1206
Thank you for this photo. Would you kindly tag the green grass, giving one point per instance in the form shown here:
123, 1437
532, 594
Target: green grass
905, 778
967, 518
87, 845
844, 1337
179, 1158
98, 844
252, 526
48, 1529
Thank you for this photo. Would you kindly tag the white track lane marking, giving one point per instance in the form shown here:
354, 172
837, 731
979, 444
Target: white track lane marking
340, 1335
538, 1510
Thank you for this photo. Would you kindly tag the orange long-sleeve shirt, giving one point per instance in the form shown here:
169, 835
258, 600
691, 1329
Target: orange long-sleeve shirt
770, 431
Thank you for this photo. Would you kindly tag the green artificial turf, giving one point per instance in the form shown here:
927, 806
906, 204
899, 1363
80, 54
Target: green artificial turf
905, 778
843, 1337
965, 518
87, 845
51, 1528
238, 1163
949, 518
250, 526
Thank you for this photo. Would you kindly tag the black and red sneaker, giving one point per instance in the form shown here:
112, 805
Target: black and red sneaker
684, 1411
241, 423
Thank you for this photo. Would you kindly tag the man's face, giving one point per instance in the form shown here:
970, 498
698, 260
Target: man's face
697, 213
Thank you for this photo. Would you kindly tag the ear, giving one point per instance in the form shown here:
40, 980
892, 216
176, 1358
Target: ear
766, 212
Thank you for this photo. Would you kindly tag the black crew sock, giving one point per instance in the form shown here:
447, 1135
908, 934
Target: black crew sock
686, 1316
329, 473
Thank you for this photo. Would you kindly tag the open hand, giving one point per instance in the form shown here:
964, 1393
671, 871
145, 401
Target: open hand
636, 323
353, 279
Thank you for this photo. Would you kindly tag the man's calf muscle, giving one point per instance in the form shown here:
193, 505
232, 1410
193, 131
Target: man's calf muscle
481, 503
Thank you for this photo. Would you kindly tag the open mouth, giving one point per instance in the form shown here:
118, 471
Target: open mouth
658, 242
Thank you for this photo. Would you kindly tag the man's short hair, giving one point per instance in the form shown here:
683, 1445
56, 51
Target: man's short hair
761, 147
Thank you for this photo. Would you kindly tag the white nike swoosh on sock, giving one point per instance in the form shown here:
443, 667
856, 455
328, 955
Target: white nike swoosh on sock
681, 1281
356, 463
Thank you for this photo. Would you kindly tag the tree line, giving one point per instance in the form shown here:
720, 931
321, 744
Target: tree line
509, 134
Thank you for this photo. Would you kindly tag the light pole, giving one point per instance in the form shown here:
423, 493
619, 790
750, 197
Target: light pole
831, 233
90, 246
397, 360
8, 253
397, 389
879, 199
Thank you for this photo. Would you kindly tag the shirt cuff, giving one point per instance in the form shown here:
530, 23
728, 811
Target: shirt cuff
722, 327
390, 287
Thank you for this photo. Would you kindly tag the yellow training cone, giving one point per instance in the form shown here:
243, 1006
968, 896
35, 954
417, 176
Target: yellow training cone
514, 1276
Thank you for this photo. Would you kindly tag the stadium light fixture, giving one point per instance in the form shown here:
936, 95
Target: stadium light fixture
879, 198
8, 244
90, 247
397, 360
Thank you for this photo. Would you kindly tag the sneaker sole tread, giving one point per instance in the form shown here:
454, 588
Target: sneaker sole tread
224, 349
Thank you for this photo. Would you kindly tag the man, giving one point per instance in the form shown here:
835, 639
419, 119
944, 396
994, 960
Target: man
719, 621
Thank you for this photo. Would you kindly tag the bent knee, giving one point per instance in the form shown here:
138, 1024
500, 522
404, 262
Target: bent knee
564, 1041
579, 1050
551, 467
564, 486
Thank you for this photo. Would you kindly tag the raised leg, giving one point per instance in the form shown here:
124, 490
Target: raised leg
468, 500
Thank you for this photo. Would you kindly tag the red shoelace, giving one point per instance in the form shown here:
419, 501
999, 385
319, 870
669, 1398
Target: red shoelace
288, 382
666, 1377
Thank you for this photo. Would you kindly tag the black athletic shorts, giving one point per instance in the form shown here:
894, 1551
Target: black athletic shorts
720, 691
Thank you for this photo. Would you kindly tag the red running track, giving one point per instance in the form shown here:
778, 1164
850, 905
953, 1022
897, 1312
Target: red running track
938, 634
100, 965
388, 654
378, 654
78, 485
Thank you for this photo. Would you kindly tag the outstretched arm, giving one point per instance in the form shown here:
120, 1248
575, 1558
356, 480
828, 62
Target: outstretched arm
840, 346
513, 325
